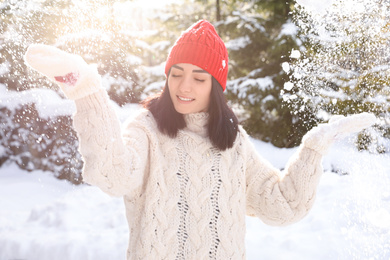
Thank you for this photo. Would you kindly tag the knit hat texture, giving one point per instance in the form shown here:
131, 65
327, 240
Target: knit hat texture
200, 45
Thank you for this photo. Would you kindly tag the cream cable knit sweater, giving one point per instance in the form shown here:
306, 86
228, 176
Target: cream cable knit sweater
185, 199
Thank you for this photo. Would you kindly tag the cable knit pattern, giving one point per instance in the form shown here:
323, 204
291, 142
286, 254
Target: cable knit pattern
184, 198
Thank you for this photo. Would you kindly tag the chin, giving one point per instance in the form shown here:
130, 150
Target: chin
184, 111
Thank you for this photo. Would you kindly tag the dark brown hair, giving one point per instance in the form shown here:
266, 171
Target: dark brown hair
222, 126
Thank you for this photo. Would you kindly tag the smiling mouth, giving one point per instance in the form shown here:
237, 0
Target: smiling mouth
185, 99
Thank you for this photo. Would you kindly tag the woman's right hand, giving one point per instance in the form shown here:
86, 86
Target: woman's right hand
75, 77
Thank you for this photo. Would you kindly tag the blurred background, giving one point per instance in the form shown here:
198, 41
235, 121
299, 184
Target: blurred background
290, 67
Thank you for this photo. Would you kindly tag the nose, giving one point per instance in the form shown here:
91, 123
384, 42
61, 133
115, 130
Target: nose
185, 85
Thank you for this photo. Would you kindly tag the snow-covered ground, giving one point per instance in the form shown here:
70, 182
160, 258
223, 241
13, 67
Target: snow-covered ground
44, 218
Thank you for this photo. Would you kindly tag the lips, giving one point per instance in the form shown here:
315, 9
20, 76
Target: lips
185, 99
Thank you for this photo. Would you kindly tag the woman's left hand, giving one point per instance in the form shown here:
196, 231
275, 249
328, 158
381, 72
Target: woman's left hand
320, 138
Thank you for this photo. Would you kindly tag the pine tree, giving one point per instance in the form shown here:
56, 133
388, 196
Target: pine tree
27, 139
344, 68
260, 37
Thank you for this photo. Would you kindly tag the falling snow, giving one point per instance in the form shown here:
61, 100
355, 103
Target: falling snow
42, 217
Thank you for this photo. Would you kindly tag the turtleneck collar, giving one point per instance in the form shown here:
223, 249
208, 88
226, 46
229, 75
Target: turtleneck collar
197, 123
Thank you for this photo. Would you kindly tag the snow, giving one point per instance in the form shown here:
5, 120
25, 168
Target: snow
42, 217
286, 67
158, 70
238, 43
316, 7
133, 60
288, 86
241, 86
295, 54
4, 67
289, 29
51, 105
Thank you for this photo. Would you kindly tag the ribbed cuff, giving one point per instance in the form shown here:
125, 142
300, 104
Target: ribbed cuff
92, 101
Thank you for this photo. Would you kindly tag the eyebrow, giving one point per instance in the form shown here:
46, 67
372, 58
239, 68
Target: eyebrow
196, 71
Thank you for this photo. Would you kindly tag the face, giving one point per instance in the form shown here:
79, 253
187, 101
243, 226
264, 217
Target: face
190, 88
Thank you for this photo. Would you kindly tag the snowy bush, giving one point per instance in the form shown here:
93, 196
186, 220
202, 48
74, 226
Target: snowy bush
49, 142
34, 143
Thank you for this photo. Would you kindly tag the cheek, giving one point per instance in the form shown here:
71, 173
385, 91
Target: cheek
171, 87
169, 84
206, 96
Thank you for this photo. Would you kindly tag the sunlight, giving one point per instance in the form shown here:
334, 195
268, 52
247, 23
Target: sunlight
152, 4
95, 16
137, 13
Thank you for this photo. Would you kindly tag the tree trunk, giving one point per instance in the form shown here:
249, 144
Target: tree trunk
218, 11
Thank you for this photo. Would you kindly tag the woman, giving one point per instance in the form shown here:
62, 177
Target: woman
188, 173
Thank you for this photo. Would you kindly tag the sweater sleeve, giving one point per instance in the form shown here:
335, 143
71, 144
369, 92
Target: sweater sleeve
113, 161
281, 198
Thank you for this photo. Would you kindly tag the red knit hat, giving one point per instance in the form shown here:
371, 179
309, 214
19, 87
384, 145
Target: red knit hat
200, 45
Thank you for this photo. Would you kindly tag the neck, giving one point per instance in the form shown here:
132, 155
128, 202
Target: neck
197, 123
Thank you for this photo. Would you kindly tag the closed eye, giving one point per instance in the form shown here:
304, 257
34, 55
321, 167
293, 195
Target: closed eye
200, 80
176, 75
